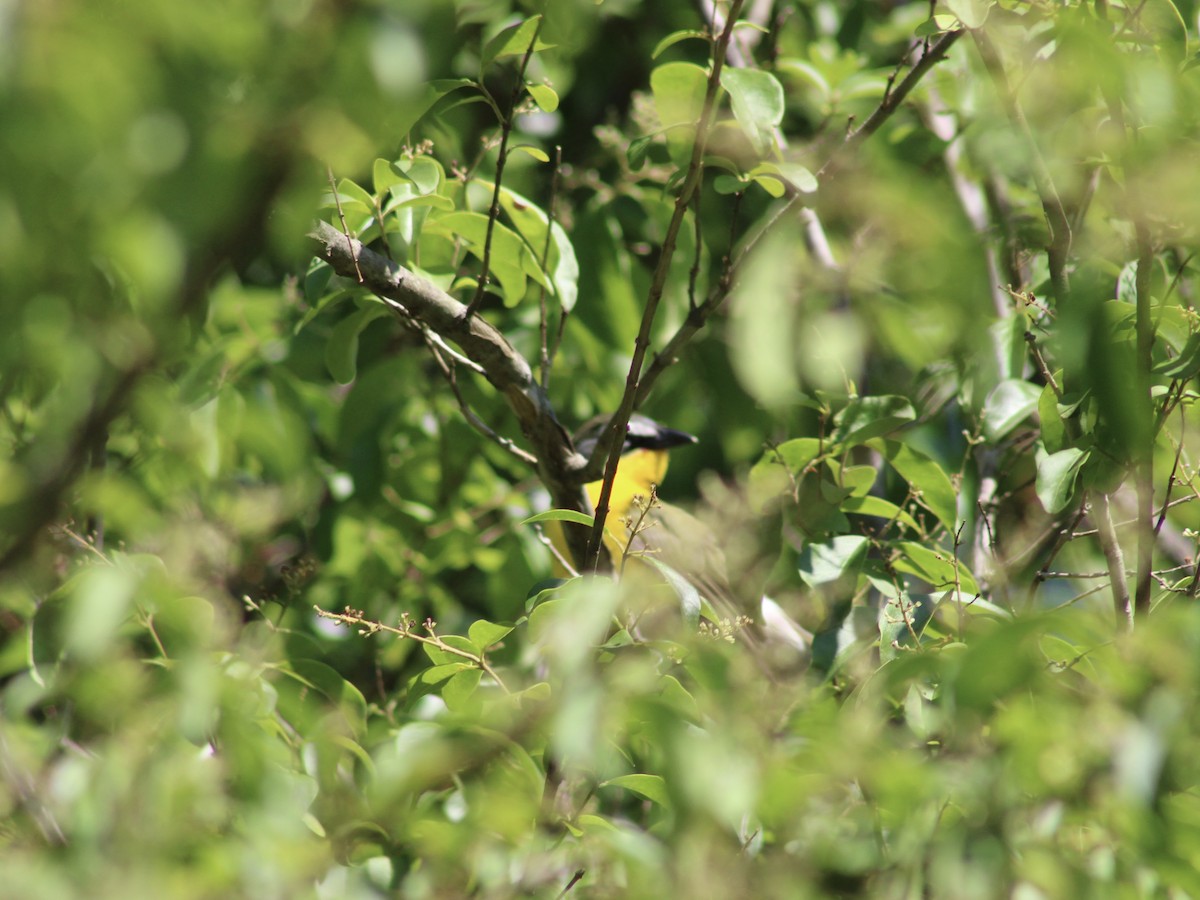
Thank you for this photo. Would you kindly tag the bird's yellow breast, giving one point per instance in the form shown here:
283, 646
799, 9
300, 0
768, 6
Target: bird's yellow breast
638, 471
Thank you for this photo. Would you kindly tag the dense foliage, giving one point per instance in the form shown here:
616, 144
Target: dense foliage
303, 298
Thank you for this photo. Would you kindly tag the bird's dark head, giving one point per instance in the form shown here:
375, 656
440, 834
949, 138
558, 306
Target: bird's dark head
643, 433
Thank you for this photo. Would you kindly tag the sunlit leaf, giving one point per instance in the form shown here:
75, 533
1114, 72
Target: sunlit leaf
927, 478
1007, 405
939, 569
824, 563
510, 256
546, 99
560, 515
972, 13
757, 99
484, 634
652, 787
675, 37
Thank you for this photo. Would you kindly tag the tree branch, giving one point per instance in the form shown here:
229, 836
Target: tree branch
558, 465
1116, 563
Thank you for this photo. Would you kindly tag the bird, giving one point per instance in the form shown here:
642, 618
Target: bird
644, 527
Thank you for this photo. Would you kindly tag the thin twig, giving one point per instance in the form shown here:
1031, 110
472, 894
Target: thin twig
337, 201
579, 873
1036, 352
1162, 515
506, 127
611, 441
1144, 451
356, 618
815, 238
543, 346
1116, 562
448, 372
698, 237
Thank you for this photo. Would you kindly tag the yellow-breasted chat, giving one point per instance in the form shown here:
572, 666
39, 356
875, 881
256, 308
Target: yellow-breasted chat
642, 526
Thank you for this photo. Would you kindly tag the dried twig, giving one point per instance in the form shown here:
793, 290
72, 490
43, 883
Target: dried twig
356, 619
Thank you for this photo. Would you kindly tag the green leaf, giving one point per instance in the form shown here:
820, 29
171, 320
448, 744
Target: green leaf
771, 184
792, 173
385, 174
1054, 429
424, 172
689, 597
459, 691
433, 201
337, 690
513, 41
341, 350
484, 634
1056, 477
757, 100
938, 24
675, 37
443, 671
864, 418
652, 787
510, 257
678, 89
536, 152
1186, 364
545, 97
562, 266
879, 508
972, 13
638, 148
937, 568
349, 191
560, 515
729, 184
824, 563
1007, 405
858, 480
936, 491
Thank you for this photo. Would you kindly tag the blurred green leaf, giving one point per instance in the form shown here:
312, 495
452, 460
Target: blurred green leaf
1007, 405
938, 569
1057, 474
341, 351
864, 418
972, 13
689, 598
824, 563
652, 787
515, 40
675, 37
